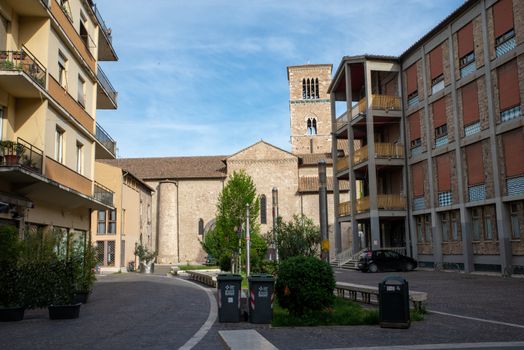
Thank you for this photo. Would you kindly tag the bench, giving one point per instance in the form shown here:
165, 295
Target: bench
369, 294
203, 277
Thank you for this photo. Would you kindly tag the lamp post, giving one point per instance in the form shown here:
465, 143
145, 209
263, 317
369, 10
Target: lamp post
248, 243
322, 192
275, 220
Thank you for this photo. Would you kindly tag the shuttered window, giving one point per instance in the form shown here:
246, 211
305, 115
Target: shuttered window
435, 62
439, 113
513, 143
470, 106
414, 126
509, 92
465, 40
411, 77
503, 16
475, 164
443, 173
417, 179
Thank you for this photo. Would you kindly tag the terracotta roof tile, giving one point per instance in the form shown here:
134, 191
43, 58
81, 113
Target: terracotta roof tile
314, 158
310, 184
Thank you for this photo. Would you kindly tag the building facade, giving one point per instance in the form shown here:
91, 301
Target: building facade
50, 89
439, 142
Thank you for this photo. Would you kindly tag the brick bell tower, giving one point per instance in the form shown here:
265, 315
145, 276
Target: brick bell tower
310, 108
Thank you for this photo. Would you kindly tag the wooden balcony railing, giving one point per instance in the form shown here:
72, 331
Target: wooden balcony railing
342, 164
378, 102
344, 208
384, 201
360, 155
382, 150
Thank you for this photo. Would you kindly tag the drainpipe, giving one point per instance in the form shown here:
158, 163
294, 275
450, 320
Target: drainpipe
124, 174
177, 223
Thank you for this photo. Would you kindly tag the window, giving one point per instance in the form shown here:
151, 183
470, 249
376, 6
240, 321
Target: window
466, 51
444, 223
100, 252
509, 91
488, 228
83, 29
436, 69
428, 228
101, 227
81, 91
503, 27
455, 226
311, 126
441, 131
414, 134
62, 69
412, 85
79, 158
515, 222
201, 227
110, 253
475, 218
64, 4
59, 145
263, 209
310, 88
112, 222
420, 229
505, 43
437, 84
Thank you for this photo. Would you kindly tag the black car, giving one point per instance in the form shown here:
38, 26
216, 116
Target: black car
382, 260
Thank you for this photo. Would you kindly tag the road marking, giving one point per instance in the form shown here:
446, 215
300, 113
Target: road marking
211, 318
477, 319
492, 345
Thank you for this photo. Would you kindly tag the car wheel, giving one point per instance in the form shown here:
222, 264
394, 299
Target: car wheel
408, 267
373, 268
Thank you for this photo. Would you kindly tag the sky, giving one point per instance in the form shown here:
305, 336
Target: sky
208, 77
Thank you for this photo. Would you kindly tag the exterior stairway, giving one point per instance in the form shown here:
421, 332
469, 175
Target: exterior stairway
346, 260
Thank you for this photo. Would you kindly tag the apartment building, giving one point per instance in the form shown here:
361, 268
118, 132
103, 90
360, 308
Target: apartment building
50, 89
436, 142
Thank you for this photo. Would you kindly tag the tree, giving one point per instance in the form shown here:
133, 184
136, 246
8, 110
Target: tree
298, 237
224, 241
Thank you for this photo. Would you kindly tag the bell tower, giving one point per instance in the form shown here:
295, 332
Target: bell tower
310, 108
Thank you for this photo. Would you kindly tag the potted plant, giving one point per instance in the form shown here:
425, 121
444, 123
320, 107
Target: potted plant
146, 258
11, 292
11, 151
85, 275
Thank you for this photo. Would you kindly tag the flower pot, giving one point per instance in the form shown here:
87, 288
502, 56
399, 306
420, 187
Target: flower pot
11, 159
11, 314
64, 312
80, 297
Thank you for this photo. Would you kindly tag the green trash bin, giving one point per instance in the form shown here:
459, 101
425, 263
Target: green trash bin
229, 288
393, 295
261, 292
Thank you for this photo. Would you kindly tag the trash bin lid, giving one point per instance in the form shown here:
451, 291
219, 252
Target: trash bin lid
262, 277
394, 280
229, 277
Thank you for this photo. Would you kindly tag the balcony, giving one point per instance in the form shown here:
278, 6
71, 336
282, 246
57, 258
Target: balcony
342, 164
344, 209
106, 52
382, 150
21, 74
30, 8
21, 153
106, 93
384, 202
103, 194
378, 102
105, 146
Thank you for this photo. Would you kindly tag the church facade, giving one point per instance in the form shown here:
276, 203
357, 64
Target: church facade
186, 189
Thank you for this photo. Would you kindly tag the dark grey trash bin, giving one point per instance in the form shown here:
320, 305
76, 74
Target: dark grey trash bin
261, 288
393, 295
229, 288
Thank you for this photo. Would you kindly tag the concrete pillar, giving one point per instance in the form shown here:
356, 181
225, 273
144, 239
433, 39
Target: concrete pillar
336, 192
167, 222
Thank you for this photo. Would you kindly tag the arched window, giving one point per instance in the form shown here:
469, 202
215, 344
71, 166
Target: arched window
310, 88
311, 126
308, 94
317, 95
201, 227
263, 209
303, 89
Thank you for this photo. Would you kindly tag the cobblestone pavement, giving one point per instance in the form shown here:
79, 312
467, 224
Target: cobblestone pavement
133, 311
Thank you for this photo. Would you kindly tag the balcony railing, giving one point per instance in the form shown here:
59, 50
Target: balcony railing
21, 153
378, 102
342, 163
344, 208
103, 194
106, 84
101, 22
23, 61
103, 137
382, 150
384, 201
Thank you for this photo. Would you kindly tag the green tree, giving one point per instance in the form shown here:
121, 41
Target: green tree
224, 240
298, 237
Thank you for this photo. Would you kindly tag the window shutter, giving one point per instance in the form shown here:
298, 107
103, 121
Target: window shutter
435, 62
418, 176
470, 106
509, 91
414, 126
503, 16
411, 78
443, 173
513, 143
439, 113
465, 40
475, 163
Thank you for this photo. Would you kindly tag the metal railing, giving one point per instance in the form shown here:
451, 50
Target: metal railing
23, 61
103, 194
101, 22
21, 153
103, 137
347, 256
106, 84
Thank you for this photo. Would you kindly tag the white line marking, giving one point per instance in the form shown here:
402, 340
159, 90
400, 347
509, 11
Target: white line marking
496, 345
477, 319
213, 313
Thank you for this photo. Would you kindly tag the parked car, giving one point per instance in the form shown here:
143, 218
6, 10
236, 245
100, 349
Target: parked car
382, 260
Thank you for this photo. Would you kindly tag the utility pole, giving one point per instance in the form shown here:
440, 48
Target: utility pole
322, 192
275, 220
248, 243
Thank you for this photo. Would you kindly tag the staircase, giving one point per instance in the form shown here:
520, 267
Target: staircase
346, 260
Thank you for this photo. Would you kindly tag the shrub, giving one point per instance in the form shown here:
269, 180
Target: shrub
297, 237
305, 284
225, 263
